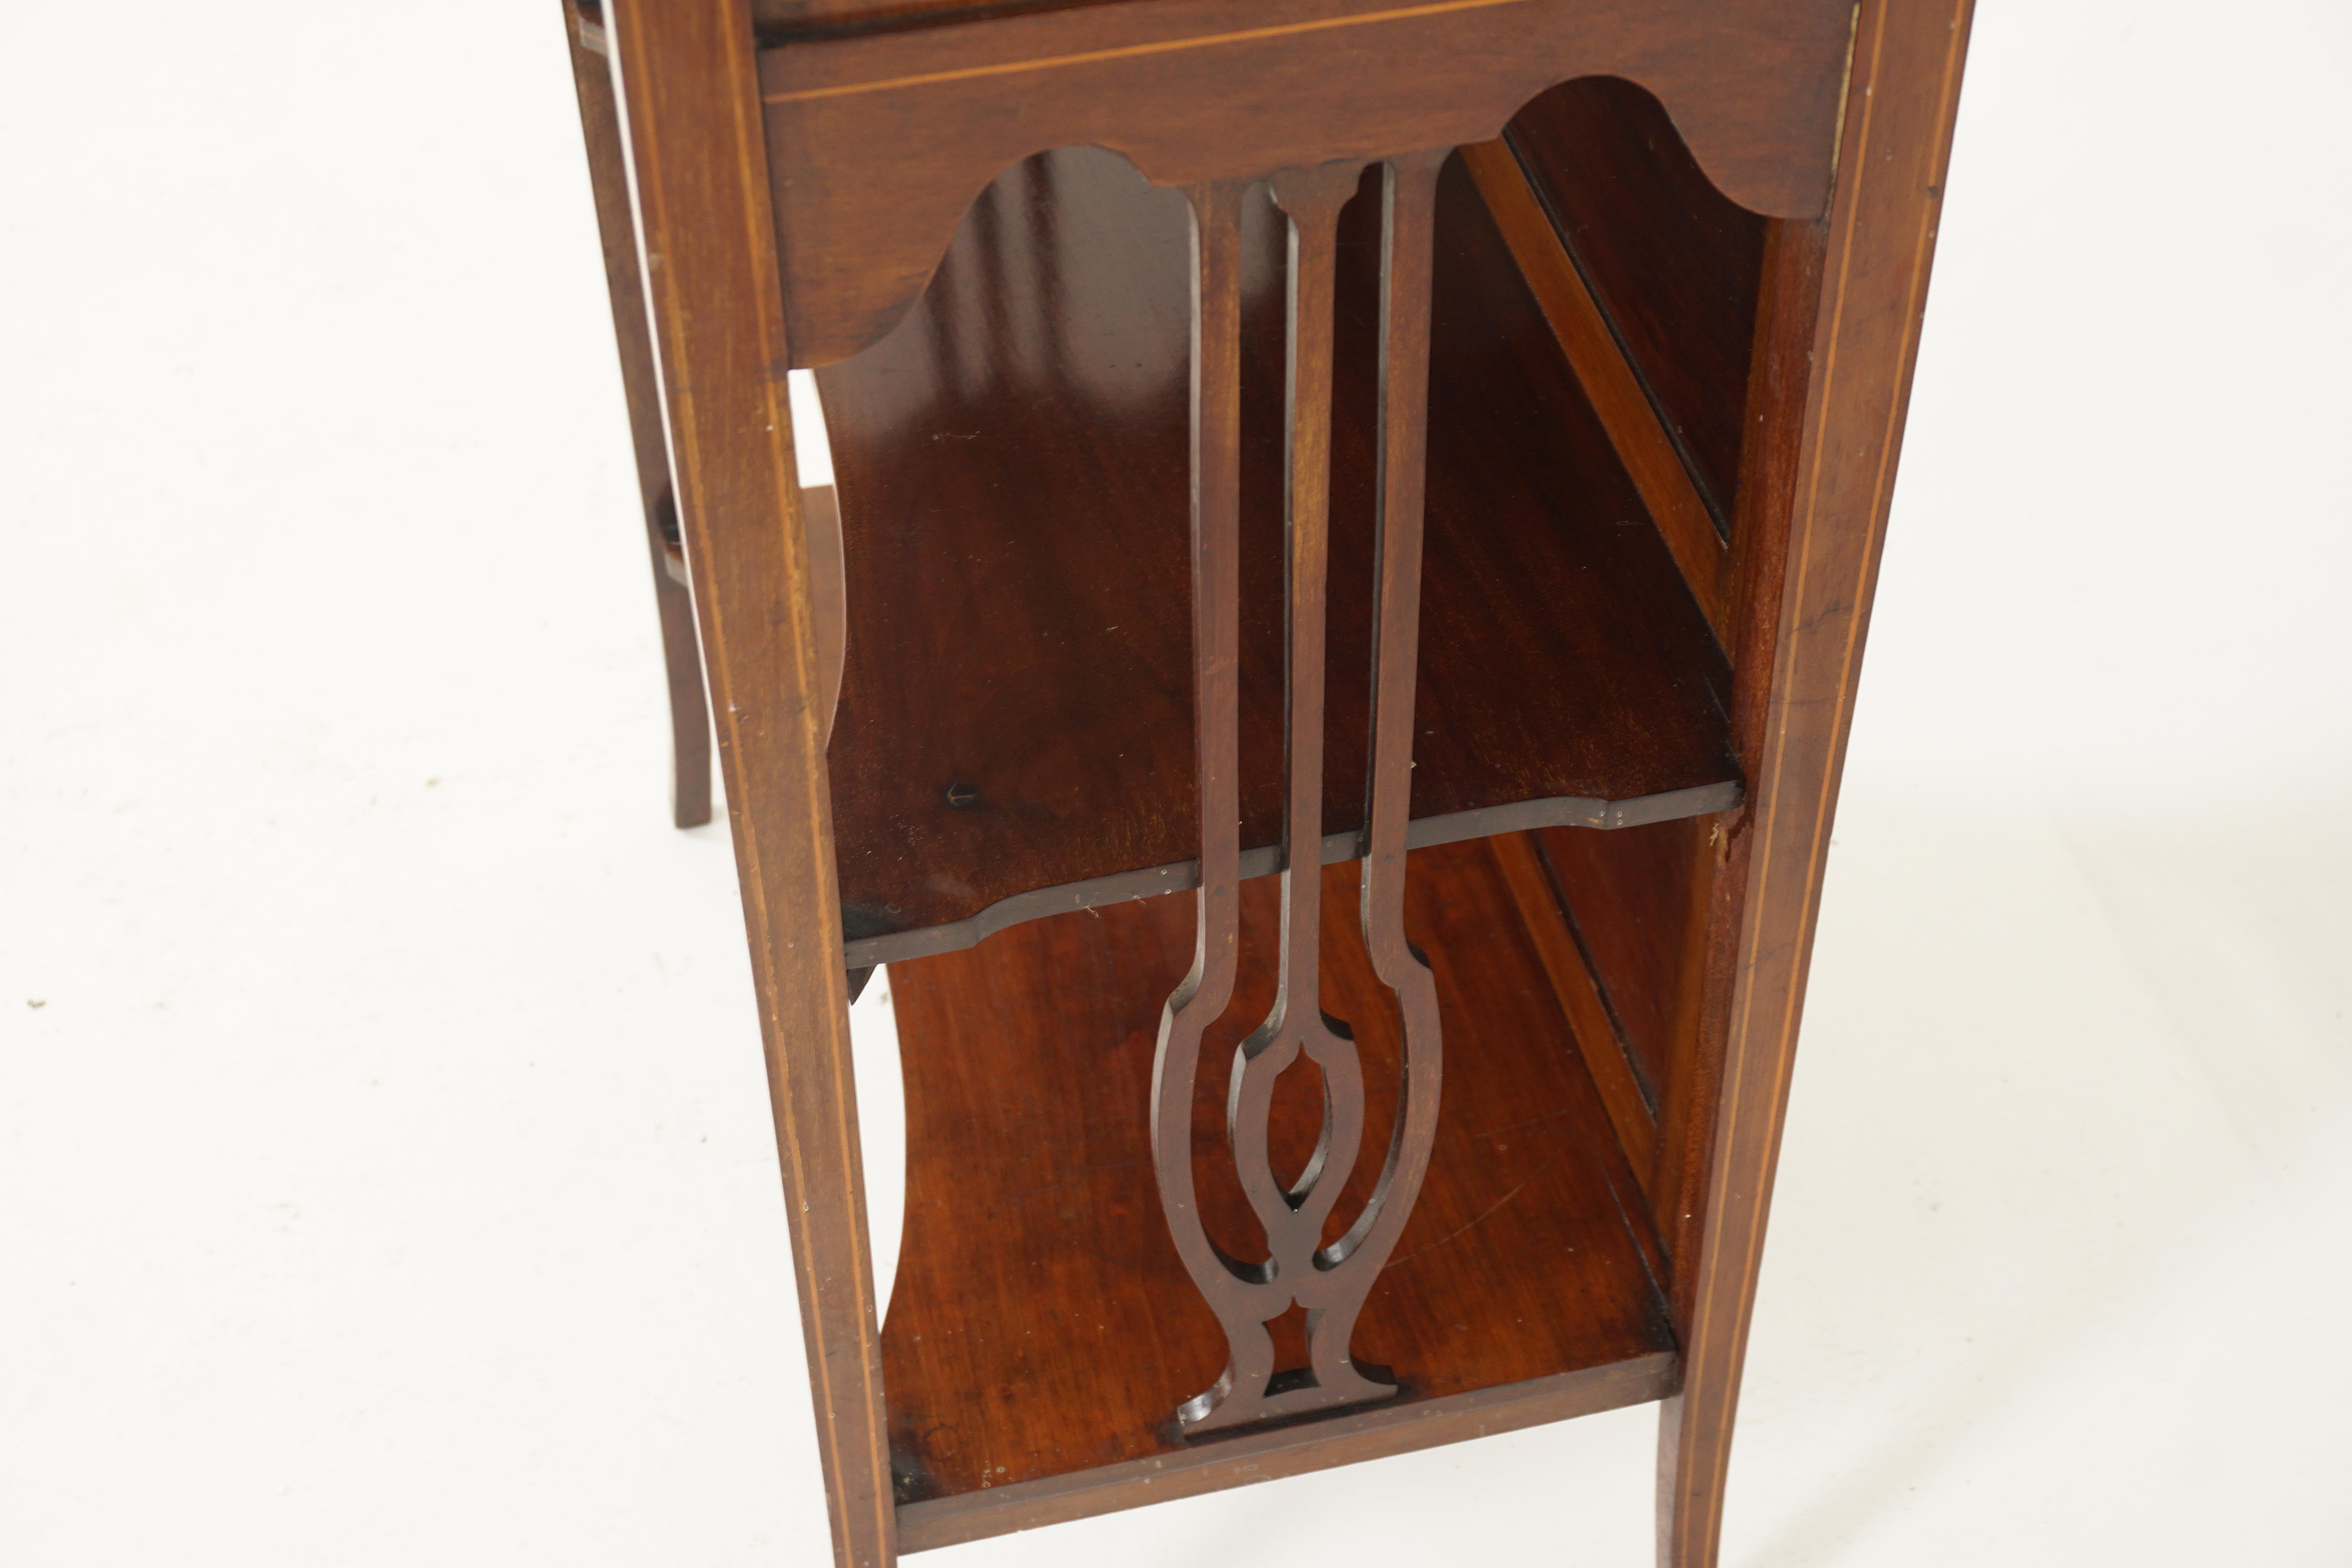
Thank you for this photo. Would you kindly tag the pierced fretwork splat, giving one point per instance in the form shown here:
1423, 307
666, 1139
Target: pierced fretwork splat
1330, 1283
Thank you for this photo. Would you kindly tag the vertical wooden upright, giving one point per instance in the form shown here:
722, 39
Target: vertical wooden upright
1808, 608
608, 177
691, 98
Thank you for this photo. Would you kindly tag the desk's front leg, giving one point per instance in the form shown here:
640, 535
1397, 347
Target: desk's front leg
692, 103
1853, 292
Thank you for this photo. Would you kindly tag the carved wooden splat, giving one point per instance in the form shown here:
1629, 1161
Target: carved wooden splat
1331, 1282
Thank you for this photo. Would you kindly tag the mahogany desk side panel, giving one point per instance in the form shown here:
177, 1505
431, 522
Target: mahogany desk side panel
723, 139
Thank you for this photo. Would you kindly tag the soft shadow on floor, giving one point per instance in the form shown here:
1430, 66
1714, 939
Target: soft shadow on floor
2078, 1091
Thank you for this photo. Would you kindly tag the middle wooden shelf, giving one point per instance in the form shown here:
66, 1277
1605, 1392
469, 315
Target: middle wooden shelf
1015, 735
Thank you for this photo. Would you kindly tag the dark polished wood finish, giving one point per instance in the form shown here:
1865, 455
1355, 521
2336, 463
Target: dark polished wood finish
1200, 998
1667, 326
1012, 472
690, 95
1043, 1323
1673, 261
1653, 458
1269, 1453
1301, 1271
821, 513
798, 21
1195, 90
1825, 461
1631, 899
1632, 1109
608, 177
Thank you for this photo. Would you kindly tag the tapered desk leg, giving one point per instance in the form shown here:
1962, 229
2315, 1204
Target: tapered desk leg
1796, 688
691, 97
690, 712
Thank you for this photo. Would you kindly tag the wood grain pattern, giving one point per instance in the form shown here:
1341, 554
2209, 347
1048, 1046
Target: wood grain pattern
691, 99
788, 21
1788, 311
1012, 472
828, 595
1672, 259
608, 178
1043, 1324
1195, 90
1880, 239
1268, 1454
1156, 881
1643, 444
1629, 898
1041, 1335
1263, 1380
1200, 998
1408, 272
1572, 982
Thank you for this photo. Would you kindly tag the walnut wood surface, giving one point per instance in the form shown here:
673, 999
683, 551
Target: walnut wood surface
1796, 706
690, 97
1012, 471
1673, 260
1196, 90
600, 128
1043, 1323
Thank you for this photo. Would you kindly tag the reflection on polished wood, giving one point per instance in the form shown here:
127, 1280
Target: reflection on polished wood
1198, 90
1012, 467
1300, 1272
1017, 710
1673, 261
1589, 338
1042, 1316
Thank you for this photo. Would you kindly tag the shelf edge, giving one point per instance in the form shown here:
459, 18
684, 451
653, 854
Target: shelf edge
1559, 811
1290, 1450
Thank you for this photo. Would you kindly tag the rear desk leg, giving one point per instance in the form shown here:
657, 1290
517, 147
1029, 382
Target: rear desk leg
691, 93
1803, 616
690, 713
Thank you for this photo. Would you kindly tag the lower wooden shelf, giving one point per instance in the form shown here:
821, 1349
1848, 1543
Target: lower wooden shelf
1043, 1330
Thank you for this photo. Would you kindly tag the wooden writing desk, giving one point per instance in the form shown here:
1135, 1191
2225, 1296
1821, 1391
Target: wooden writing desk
1412, 473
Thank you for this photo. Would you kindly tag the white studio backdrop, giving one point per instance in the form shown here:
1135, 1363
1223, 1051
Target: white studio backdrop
385, 1170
